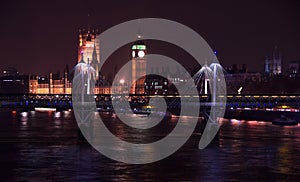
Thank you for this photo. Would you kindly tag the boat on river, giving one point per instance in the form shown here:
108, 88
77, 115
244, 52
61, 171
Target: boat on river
284, 121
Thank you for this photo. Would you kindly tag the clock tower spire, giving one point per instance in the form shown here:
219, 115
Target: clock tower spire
138, 77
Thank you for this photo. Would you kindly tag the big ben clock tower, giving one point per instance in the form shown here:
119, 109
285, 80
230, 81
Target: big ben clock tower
138, 53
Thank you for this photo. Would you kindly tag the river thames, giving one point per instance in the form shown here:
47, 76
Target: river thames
38, 146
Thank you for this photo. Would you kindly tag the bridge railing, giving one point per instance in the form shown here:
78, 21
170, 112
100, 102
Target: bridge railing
65, 100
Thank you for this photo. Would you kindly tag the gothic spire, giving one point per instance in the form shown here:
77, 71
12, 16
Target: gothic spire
94, 55
81, 60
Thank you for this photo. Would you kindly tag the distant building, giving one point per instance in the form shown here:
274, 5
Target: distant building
13, 83
45, 85
234, 69
89, 55
89, 49
293, 69
273, 65
103, 86
156, 85
54, 84
242, 77
242, 80
10, 71
138, 52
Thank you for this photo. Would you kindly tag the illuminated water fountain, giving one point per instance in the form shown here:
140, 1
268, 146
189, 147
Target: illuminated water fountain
82, 90
210, 80
202, 78
219, 85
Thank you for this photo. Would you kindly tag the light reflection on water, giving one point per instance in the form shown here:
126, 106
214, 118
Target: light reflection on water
43, 146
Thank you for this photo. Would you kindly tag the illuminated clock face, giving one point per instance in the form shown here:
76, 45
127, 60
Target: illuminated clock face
141, 54
133, 54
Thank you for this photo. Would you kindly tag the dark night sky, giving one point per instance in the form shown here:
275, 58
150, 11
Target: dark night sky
41, 36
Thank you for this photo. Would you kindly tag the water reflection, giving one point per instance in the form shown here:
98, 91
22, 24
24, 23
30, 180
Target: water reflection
24, 118
67, 114
24, 114
44, 147
57, 123
32, 113
57, 115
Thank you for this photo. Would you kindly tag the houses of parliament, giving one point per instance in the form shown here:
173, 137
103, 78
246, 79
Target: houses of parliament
89, 55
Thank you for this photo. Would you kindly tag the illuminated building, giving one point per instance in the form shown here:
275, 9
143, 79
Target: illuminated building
89, 48
33, 85
102, 90
273, 65
293, 68
138, 52
44, 85
57, 85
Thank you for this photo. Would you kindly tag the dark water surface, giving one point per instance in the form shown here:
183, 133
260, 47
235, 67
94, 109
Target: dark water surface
44, 147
